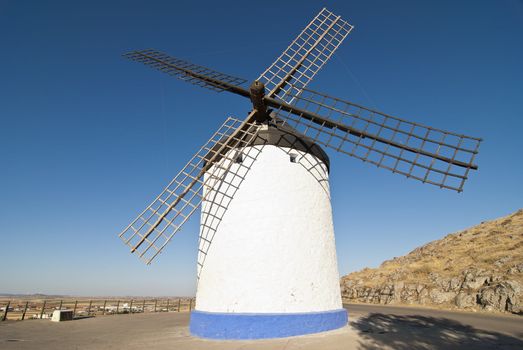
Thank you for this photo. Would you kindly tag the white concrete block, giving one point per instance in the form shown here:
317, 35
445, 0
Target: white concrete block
62, 315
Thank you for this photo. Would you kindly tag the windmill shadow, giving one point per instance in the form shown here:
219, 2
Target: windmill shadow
424, 332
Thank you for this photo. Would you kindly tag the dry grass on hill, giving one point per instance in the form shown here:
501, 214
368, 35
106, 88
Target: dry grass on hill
480, 268
494, 245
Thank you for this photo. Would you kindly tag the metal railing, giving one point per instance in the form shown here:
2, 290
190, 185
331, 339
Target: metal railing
23, 309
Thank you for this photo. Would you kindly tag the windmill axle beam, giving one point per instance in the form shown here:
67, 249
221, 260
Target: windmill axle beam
257, 95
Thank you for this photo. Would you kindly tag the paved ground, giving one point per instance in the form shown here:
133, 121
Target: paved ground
371, 327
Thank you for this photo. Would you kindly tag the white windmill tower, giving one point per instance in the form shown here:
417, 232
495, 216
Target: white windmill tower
267, 259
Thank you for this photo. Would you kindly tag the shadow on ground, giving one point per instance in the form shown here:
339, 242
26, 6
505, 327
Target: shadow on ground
422, 332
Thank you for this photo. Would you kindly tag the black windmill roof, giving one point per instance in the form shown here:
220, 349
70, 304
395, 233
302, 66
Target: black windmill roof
283, 135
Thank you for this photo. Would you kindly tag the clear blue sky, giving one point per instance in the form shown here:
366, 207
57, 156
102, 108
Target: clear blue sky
87, 138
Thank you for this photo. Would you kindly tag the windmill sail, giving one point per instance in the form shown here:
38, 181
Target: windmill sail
427, 154
291, 71
148, 234
305, 56
189, 72
214, 174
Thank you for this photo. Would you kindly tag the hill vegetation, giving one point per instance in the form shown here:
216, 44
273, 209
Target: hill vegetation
480, 268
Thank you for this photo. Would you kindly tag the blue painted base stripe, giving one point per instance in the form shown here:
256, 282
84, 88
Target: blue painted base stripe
215, 325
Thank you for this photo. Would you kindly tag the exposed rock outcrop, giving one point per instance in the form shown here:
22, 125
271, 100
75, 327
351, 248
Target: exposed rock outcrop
478, 268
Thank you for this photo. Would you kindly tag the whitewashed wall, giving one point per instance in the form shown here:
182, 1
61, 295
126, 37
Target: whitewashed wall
274, 248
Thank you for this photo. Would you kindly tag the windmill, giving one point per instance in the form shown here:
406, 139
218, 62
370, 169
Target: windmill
267, 261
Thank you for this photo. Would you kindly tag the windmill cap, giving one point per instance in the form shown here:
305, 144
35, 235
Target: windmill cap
282, 135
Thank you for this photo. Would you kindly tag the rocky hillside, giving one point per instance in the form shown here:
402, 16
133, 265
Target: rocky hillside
478, 268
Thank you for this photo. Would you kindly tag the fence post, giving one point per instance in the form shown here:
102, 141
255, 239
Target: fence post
105, 304
75, 305
61, 303
179, 303
155, 302
131, 307
190, 305
4, 317
143, 306
89, 308
43, 309
167, 304
25, 310
117, 306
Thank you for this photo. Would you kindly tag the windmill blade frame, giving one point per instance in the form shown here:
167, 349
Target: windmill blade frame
187, 71
150, 232
305, 56
427, 154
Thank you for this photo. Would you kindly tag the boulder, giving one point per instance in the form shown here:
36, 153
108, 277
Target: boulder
501, 296
455, 284
465, 300
439, 297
